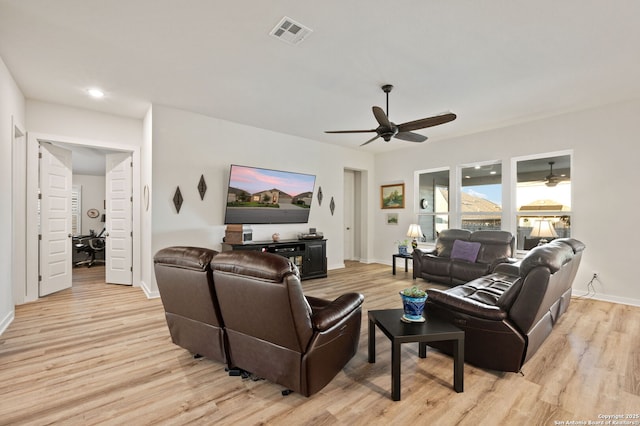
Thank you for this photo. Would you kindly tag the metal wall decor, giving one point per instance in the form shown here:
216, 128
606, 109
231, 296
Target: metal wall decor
177, 199
202, 187
332, 206
319, 195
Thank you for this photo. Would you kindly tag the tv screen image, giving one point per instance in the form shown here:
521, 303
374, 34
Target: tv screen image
265, 196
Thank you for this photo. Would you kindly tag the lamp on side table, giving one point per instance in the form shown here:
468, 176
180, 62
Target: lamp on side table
414, 232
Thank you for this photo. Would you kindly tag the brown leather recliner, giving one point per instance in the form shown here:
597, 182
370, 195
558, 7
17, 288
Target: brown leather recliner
185, 282
507, 315
277, 333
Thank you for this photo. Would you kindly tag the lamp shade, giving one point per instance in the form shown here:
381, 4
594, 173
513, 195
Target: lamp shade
543, 228
414, 231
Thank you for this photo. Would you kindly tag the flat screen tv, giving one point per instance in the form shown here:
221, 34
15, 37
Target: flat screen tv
265, 196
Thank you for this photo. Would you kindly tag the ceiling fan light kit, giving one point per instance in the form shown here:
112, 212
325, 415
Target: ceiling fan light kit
387, 129
551, 180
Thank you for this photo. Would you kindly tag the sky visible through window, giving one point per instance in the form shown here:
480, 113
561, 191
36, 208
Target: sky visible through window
492, 193
526, 194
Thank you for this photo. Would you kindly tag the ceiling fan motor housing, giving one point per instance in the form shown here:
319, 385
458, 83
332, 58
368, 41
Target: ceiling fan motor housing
387, 133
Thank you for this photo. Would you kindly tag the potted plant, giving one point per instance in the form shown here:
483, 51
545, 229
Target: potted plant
403, 246
413, 300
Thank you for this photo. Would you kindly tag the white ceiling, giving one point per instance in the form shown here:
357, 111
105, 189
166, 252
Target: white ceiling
492, 62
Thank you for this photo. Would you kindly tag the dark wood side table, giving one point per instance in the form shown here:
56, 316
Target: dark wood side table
432, 330
406, 258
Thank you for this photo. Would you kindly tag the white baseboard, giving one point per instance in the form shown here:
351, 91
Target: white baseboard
150, 294
606, 298
7, 320
336, 266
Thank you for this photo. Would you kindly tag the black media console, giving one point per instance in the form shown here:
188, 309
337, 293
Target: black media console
310, 256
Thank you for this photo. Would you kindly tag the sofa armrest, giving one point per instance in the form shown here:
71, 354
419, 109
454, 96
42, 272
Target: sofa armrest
424, 252
472, 307
511, 268
326, 315
500, 261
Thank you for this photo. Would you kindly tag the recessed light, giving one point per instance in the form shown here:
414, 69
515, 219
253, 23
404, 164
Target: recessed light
95, 93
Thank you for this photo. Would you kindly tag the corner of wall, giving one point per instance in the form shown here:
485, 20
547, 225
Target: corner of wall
148, 292
7, 320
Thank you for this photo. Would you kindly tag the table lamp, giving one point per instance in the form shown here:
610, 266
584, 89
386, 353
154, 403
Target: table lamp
414, 232
543, 229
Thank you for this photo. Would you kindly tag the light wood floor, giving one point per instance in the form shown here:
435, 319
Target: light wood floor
101, 354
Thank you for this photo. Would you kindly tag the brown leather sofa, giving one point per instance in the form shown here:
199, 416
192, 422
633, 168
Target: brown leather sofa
277, 333
493, 248
185, 282
508, 314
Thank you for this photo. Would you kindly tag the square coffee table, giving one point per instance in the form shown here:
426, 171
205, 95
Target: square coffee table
399, 332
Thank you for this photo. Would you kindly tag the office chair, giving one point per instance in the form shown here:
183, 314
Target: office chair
91, 245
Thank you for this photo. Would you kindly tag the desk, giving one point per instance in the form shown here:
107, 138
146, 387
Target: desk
432, 330
406, 258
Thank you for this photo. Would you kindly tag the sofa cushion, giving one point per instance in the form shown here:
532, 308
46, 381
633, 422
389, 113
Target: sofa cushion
496, 245
465, 250
466, 300
446, 238
462, 271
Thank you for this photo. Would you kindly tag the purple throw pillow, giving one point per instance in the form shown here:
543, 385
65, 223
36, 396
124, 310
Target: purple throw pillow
465, 250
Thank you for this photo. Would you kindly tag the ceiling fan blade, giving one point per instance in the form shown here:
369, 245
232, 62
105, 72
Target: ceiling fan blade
411, 137
371, 140
381, 117
350, 131
426, 122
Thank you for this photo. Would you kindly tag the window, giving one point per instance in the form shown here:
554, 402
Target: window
76, 209
481, 197
543, 199
433, 208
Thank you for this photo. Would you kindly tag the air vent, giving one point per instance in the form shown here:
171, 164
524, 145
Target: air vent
290, 31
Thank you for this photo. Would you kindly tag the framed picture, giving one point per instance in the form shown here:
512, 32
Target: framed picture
392, 196
392, 218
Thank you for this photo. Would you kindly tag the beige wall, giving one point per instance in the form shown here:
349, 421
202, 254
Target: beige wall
605, 175
12, 112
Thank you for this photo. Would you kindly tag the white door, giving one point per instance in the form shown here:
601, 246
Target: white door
349, 215
119, 240
55, 219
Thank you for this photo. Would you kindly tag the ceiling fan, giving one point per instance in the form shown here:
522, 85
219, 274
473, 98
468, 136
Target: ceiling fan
551, 180
387, 129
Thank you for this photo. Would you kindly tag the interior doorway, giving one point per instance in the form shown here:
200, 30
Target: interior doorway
352, 215
33, 262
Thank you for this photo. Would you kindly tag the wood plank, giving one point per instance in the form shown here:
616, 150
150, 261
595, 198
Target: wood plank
102, 354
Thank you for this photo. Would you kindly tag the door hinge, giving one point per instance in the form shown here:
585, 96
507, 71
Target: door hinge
39, 237
39, 277
39, 196
131, 198
132, 233
131, 269
39, 155
131, 164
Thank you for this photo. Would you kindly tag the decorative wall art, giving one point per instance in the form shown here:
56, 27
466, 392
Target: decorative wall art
392, 196
177, 199
332, 206
202, 187
392, 218
319, 195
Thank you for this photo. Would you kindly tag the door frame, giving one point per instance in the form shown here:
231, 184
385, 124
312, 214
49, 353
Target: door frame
33, 262
19, 211
358, 204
